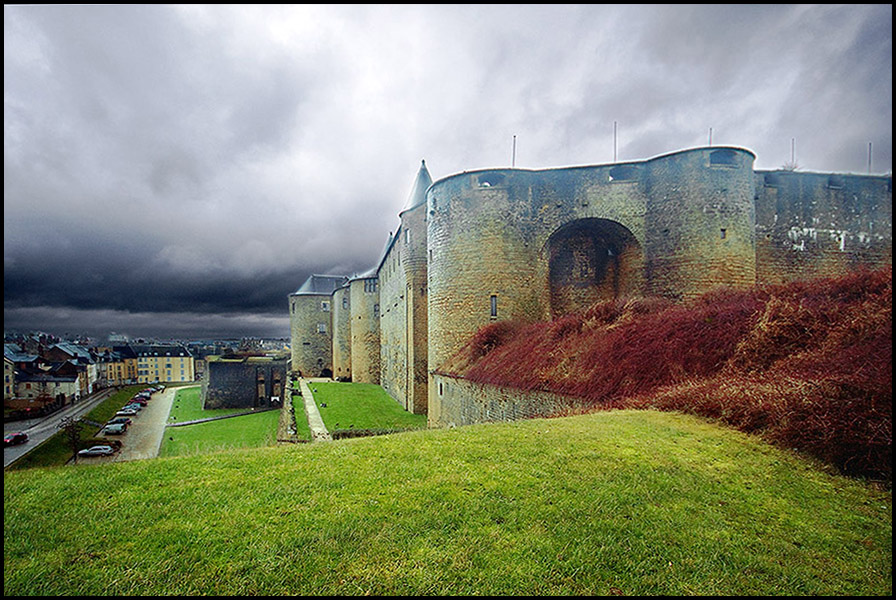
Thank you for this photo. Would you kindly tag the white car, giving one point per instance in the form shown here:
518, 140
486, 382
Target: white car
126, 412
97, 451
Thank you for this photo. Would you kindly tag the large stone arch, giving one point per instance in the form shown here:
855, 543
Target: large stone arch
591, 260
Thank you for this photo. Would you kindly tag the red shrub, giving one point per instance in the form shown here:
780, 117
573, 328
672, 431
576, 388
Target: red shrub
807, 364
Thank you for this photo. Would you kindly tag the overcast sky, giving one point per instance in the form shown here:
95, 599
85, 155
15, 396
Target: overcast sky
177, 171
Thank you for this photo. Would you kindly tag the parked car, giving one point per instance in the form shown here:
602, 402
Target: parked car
13, 439
126, 412
97, 451
115, 429
134, 406
141, 396
119, 420
140, 401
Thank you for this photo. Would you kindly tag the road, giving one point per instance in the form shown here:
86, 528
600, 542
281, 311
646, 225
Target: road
142, 439
41, 428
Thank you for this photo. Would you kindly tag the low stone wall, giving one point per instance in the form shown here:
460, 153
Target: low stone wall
464, 402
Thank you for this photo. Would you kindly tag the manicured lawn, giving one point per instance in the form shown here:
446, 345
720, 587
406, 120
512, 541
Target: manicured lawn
187, 406
245, 431
358, 406
303, 430
617, 502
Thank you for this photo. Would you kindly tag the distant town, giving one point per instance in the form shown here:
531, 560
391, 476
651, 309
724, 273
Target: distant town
43, 372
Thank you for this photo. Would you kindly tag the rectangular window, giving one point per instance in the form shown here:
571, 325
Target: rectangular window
345, 302
407, 236
325, 305
494, 306
723, 233
321, 327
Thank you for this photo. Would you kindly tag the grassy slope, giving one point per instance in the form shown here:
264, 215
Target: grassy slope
808, 365
637, 502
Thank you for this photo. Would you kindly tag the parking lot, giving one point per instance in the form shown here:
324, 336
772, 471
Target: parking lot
144, 436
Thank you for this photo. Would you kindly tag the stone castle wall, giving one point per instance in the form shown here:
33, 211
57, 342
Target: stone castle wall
534, 244
414, 263
311, 334
821, 224
245, 383
394, 323
365, 330
342, 337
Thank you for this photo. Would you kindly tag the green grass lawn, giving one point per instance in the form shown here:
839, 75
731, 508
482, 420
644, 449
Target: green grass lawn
244, 431
303, 430
620, 502
361, 406
187, 406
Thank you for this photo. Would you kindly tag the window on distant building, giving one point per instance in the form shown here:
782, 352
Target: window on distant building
321, 327
494, 307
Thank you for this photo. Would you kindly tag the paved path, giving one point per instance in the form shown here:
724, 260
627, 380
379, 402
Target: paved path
319, 431
144, 436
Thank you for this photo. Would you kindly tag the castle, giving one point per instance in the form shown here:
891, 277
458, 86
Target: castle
486, 245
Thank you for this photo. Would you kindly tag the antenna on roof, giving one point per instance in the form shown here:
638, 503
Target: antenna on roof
513, 154
710, 136
869, 158
614, 141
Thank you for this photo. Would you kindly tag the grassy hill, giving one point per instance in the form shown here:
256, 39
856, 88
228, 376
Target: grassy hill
616, 502
807, 365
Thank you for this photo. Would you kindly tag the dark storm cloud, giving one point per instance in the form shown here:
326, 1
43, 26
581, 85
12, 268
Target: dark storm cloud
199, 162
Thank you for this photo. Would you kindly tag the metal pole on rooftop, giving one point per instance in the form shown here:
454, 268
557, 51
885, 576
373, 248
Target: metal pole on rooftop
614, 141
869, 158
513, 154
710, 136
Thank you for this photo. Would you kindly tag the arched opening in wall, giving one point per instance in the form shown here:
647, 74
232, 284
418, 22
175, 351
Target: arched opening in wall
592, 260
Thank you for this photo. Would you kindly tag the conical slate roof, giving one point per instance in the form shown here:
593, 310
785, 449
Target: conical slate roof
421, 184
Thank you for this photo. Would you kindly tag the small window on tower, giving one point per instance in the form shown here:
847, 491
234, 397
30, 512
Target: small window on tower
723, 158
494, 307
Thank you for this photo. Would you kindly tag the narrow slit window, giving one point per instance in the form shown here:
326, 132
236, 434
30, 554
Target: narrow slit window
723, 233
493, 306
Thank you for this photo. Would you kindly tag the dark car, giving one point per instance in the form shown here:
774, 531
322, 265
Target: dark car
115, 429
14, 439
119, 421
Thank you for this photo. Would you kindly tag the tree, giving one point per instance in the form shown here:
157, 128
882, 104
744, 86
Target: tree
72, 428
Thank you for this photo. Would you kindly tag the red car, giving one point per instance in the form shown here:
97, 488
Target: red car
13, 439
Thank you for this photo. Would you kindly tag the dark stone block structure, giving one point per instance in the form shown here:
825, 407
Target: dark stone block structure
249, 382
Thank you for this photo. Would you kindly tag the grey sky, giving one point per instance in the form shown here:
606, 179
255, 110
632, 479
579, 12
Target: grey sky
178, 170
